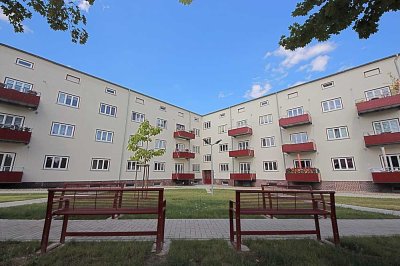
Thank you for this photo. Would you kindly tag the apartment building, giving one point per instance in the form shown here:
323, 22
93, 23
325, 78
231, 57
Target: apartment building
339, 132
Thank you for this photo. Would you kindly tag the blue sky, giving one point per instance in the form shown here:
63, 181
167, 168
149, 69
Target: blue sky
203, 57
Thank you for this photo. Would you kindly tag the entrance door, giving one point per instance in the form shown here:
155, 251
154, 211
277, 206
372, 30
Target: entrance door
207, 177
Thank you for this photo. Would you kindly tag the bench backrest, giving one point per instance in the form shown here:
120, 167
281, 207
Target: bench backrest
273, 186
94, 184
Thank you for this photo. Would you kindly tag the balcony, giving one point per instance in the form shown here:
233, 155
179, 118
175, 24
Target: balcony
183, 155
299, 147
242, 153
303, 175
184, 135
29, 99
15, 134
10, 177
385, 176
382, 139
182, 176
378, 104
240, 131
243, 177
298, 120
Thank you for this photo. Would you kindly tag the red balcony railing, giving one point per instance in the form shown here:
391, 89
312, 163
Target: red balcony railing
298, 120
385, 176
243, 177
10, 177
27, 99
182, 176
15, 134
303, 175
240, 131
242, 153
299, 147
183, 155
382, 139
378, 104
184, 134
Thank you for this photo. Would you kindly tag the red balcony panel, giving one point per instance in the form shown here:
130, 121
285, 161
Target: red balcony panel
243, 177
183, 155
382, 139
379, 104
18, 136
184, 135
299, 147
386, 177
295, 121
26, 99
303, 177
242, 153
240, 131
10, 177
182, 176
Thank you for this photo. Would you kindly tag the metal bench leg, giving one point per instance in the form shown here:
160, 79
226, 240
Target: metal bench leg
47, 223
335, 228
231, 236
238, 226
64, 229
317, 227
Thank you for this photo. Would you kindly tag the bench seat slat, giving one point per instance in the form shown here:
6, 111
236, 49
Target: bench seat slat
284, 211
105, 211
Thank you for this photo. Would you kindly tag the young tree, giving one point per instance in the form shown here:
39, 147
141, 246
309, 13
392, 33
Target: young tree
139, 145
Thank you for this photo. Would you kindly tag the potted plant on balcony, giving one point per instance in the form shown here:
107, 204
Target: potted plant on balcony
395, 86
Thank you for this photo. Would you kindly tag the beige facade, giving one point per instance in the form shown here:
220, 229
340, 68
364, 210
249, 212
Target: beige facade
335, 127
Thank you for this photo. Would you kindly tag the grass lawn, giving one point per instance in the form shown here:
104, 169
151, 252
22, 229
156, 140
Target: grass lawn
353, 251
183, 204
389, 204
17, 197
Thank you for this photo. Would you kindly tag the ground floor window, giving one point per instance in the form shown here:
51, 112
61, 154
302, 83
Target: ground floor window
132, 166
56, 162
270, 166
224, 167
159, 166
344, 163
100, 164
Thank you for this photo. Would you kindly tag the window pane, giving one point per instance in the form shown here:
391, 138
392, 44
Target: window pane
56, 162
343, 163
105, 165
61, 98
75, 102
63, 163
49, 162
62, 129
343, 132
69, 131
350, 163
56, 128
68, 100
94, 164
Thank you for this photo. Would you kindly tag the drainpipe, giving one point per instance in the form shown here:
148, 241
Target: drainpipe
230, 121
125, 133
280, 132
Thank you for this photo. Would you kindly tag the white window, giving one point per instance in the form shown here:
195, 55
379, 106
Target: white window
24, 63
73, 79
292, 95
62, 130
180, 147
132, 166
139, 100
179, 168
222, 129
337, 133
224, 167
56, 162
196, 167
270, 166
18, 85
264, 103
206, 141
302, 163
196, 149
244, 168
241, 123
295, 111
377, 93
327, 85
241, 110
7, 120
386, 126
163, 108
243, 145
207, 158
161, 123
196, 132
332, 105
223, 147
100, 164
221, 115
207, 124
372, 72
106, 109
6, 161
159, 166
111, 91
104, 136
137, 117
180, 114
392, 162
68, 99
265, 119
268, 142
301, 137
180, 127
160, 144
343, 163
196, 119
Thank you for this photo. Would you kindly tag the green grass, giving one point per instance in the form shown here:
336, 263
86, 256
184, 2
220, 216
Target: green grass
389, 204
8, 197
16, 253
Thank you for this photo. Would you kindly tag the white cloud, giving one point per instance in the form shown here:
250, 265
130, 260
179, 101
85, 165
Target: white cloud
298, 83
319, 63
257, 90
27, 29
222, 95
2, 16
84, 5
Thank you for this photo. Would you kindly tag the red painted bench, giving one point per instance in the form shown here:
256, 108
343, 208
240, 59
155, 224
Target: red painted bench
68, 202
281, 203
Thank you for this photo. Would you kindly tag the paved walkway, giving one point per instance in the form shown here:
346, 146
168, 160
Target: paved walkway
195, 228
368, 209
21, 202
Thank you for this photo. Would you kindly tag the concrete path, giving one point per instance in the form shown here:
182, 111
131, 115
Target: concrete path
368, 209
21, 202
195, 228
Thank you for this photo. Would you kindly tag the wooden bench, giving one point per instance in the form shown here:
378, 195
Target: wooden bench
68, 202
281, 203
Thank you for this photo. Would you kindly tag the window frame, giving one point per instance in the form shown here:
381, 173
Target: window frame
163, 124
73, 79
72, 99
265, 119
224, 167
100, 159
136, 167
111, 91
333, 129
105, 110
107, 133
60, 124
56, 156
137, 114
15, 82
332, 100
161, 167
272, 140
339, 158
18, 60
274, 164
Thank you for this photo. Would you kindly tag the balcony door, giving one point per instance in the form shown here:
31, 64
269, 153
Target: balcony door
386, 126
302, 163
11, 120
244, 168
180, 127
6, 161
179, 168
377, 93
243, 145
297, 138
180, 147
392, 162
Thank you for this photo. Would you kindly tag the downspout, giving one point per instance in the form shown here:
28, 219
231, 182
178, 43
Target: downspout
281, 133
233, 158
125, 130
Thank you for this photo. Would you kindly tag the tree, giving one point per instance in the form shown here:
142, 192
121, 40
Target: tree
328, 17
